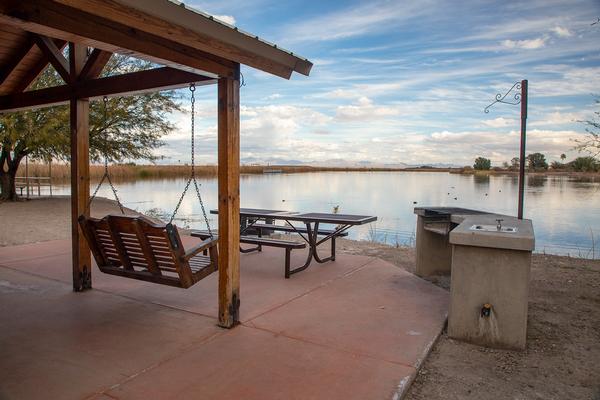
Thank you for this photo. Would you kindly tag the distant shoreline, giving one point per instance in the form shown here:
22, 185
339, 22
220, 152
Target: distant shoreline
132, 171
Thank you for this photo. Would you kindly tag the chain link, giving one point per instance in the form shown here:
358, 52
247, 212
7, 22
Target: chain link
106, 175
192, 177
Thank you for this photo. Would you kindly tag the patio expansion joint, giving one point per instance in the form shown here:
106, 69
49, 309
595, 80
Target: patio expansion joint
17, 260
353, 353
33, 274
111, 293
177, 353
319, 286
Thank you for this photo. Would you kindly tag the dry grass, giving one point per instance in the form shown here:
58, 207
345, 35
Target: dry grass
130, 172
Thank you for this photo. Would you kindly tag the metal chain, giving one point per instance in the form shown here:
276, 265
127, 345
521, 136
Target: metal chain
193, 169
106, 175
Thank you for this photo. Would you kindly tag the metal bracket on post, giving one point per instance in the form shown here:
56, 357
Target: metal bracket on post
517, 98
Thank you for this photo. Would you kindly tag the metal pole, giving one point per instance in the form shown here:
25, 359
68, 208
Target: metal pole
27, 174
522, 152
50, 175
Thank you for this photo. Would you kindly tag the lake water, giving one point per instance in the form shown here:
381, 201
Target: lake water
565, 212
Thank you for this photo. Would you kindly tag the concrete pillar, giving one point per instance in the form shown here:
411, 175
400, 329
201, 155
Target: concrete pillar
499, 278
434, 251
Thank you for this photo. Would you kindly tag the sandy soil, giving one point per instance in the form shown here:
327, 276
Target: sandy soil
41, 219
562, 359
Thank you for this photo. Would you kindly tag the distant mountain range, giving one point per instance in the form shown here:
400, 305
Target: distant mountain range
342, 163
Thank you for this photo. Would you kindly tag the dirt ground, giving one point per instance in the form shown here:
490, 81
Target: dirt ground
562, 359
38, 220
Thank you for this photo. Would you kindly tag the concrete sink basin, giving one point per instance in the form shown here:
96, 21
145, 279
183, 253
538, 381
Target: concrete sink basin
494, 228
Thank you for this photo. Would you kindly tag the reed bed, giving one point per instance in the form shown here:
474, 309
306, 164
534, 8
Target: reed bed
132, 172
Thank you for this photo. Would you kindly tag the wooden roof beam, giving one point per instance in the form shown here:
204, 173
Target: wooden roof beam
126, 84
94, 64
36, 70
54, 56
52, 19
16, 59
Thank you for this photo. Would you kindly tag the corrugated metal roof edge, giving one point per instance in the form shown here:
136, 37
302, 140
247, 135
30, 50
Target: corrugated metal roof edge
301, 69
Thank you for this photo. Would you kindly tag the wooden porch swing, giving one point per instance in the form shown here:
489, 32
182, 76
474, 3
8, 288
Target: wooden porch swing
138, 248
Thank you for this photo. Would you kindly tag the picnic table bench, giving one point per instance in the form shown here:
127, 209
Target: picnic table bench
251, 220
259, 241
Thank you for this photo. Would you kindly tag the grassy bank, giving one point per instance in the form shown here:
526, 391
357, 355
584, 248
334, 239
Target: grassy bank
131, 172
575, 174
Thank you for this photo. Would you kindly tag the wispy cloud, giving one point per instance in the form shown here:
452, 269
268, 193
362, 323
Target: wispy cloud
562, 32
524, 44
365, 19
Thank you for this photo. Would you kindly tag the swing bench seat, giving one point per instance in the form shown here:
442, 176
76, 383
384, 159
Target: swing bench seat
136, 247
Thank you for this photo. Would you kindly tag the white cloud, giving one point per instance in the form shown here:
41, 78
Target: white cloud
557, 118
228, 19
562, 32
364, 109
502, 146
275, 125
524, 44
500, 122
272, 96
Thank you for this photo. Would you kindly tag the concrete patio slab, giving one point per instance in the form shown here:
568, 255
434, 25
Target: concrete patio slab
251, 364
354, 328
258, 270
57, 344
34, 250
379, 311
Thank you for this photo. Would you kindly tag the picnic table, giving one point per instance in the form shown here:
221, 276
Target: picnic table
250, 218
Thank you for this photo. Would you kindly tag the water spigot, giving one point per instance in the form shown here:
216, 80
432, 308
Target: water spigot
499, 225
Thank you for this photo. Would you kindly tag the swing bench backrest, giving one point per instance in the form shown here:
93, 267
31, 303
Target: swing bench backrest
135, 247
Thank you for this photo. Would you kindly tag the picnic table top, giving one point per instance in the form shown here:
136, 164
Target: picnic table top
325, 218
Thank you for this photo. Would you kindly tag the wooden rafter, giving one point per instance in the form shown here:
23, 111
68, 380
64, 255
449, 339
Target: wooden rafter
54, 55
125, 84
36, 70
49, 18
16, 58
94, 64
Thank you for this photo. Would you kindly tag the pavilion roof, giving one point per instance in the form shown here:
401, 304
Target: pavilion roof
163, 31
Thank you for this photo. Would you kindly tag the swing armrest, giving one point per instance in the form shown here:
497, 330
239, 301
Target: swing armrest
204, 245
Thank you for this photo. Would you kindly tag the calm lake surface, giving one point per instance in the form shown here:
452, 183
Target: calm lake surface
565, 212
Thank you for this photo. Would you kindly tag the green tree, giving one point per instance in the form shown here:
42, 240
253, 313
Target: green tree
537, 162
585, 164
514, 163
563, 157
591, 143
482, 163
132, 129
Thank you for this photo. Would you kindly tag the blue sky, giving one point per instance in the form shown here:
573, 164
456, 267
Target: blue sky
407, 81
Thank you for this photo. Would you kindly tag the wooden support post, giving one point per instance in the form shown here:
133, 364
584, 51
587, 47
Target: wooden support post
229, 199
80, 174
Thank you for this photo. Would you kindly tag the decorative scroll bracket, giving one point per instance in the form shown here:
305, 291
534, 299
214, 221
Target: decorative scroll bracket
501, 99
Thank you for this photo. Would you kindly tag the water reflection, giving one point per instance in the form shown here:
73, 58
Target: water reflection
536, 181
565, 212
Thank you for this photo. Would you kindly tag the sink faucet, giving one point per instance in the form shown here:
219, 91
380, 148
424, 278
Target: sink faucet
499, 225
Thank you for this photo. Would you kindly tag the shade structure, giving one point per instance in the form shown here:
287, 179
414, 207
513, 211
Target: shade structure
191, 47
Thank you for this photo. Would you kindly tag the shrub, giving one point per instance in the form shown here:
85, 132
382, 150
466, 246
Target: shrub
585, 164
482, 163
537, 162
